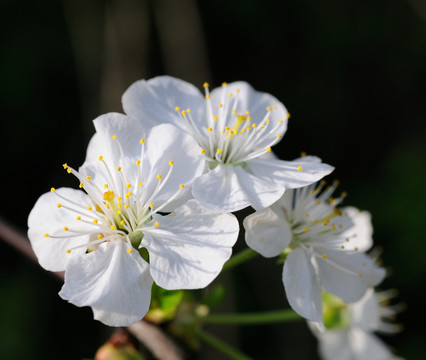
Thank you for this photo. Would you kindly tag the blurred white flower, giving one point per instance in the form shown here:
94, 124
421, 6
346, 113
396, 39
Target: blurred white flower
349, 328
235, 126
321, 245
113, 239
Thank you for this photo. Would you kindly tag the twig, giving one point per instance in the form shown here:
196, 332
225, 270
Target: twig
148, 334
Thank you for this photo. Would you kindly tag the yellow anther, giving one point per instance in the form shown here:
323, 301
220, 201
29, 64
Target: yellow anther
138, 162
248, 128
299, 168
177, 108
58, 205
207, 96
118, 168
219, 151
101, 158
65, 228
324, 256
344, 194
183, 112
215, 118
206, 84
343, 246
278, 136
224, 83
356, 248
268, 149
119, 212
89, 208
68, 251
280, 121
105, 186
78, 218
69, 171
274, 107
151, 205
100, 236
140, 184
203, 151
253, 125
122, 222
227, 128
159, 177
220, 105
126, 206
119, 198
95, 221
268, 108
46, 235
359, 275
81, 185
128, 185
333, 227
305, 229
65, 165
234, 111
230, 94
170, 163
326, 222
188, 111
209, 129
119, 205
181, 186
112, 227
98, 208
156, 224
129, 251
109, 195
142, 141
247, 112
267, 121
127, 196
288, 115
114, 137
52, 189
347, 239
302, 154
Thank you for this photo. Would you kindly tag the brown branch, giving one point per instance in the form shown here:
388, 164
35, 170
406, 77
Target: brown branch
155, 340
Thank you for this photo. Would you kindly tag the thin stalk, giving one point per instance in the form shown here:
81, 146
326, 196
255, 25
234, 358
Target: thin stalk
221, 346
240, 258
268, 317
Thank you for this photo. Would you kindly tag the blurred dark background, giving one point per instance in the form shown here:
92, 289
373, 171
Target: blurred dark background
351, 73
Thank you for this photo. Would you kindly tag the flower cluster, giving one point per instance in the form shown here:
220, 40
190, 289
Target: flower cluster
156, 196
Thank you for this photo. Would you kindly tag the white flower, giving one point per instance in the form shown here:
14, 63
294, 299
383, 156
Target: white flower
322, 246
349, 328
113, 239
235, 127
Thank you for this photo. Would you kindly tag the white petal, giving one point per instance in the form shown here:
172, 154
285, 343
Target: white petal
290, 174
230, 188
219, 190
347, 275
189, 247
154, 101
167, 143
267, 232
361, 233
47, 218
301, 285
115, 283
365, 313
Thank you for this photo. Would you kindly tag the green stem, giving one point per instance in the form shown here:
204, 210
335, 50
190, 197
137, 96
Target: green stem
240, 258
223, 347
253, 318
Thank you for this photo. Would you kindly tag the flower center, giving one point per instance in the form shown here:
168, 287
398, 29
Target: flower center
229, 136
335, 312
119, 209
